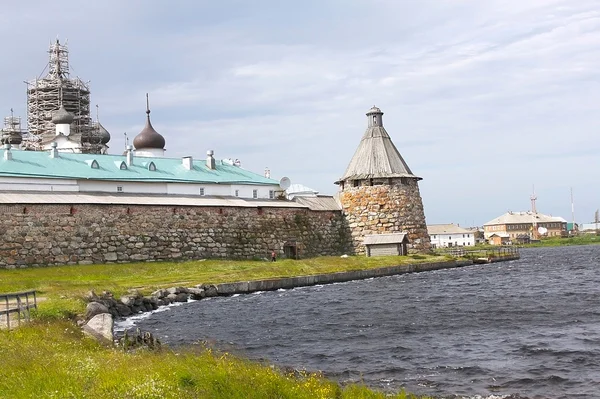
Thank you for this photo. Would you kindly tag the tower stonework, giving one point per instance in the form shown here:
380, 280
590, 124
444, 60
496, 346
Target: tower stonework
379, 193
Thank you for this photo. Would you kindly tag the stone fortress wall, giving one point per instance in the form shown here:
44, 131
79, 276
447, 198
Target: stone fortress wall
384, 206
85, 234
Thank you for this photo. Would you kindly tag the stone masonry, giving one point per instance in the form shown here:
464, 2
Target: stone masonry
84, 234
393, 207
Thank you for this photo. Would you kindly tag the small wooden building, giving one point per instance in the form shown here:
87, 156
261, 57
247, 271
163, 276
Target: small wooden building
499, 239
386, 244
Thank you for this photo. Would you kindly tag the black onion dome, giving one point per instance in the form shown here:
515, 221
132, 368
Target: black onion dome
148, 137
104, 134
62, 116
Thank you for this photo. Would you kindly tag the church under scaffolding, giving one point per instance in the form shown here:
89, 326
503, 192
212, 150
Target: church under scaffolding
45, 95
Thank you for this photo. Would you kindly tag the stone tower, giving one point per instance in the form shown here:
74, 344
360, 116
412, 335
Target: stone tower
379, 193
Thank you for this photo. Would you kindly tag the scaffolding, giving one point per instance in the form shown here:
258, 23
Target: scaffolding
45, 96
12, 133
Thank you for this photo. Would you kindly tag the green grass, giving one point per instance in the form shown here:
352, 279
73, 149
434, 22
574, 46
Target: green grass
54, 360
584, 239
51, 358
64, 286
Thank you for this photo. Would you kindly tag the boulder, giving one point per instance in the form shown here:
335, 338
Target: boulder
100, 327
95, 308
177, 290
160, 293
123, 310
210, 290
197, 293
128, 300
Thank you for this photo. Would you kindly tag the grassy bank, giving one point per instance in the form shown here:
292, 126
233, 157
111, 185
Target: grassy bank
64, 286
584, 239
52, 359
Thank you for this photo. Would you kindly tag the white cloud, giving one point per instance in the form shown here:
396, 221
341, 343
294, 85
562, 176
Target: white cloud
482, 99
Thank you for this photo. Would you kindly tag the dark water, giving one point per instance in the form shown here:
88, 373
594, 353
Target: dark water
529, 327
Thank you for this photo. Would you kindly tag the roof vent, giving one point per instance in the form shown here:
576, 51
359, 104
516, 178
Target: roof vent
7, 152
187, 162
121, 165
210, 160
53, 150
151, 166
129, 156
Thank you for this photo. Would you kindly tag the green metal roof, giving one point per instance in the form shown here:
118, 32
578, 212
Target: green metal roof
39, 164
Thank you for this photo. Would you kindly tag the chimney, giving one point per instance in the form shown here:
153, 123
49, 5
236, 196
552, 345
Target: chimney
53, 150
188, 162
129, 154
7, 152
210, 161
267, 173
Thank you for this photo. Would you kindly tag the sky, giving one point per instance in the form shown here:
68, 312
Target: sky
485, 100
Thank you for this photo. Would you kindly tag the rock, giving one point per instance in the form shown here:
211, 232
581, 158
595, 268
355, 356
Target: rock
128, 300
196, 293
137, 309
95, 308
160, 293
123, 310
177, 290
110, 256
178, 297
90, 296
100, 327
210, 290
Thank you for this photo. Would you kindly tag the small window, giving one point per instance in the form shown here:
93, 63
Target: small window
201, 190
237, 193
254, 193
151, 167
271, 194
355, 183
119, 189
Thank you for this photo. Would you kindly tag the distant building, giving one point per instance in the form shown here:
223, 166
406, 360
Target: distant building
514, 226
450, 235
589, 227
300, 190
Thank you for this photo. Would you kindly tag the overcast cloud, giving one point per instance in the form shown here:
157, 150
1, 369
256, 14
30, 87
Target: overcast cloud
483, 99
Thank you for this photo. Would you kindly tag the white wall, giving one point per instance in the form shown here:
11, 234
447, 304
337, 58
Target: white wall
456, 240
127, 187
27, 184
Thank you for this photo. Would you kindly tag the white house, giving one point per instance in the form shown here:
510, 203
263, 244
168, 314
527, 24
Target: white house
450, 235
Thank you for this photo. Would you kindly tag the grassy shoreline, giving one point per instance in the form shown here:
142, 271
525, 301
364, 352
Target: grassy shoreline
52, 358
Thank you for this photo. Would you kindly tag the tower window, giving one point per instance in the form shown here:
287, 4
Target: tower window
375, 120
355, 183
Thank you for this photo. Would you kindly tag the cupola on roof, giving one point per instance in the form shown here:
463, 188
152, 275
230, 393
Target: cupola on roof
62, 116
104, 134
148, 137
376, 155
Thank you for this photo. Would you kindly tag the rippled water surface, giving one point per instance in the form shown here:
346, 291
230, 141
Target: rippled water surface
529, 327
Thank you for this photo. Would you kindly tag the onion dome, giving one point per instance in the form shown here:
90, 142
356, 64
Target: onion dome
62, 117
148, 137
104, 134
